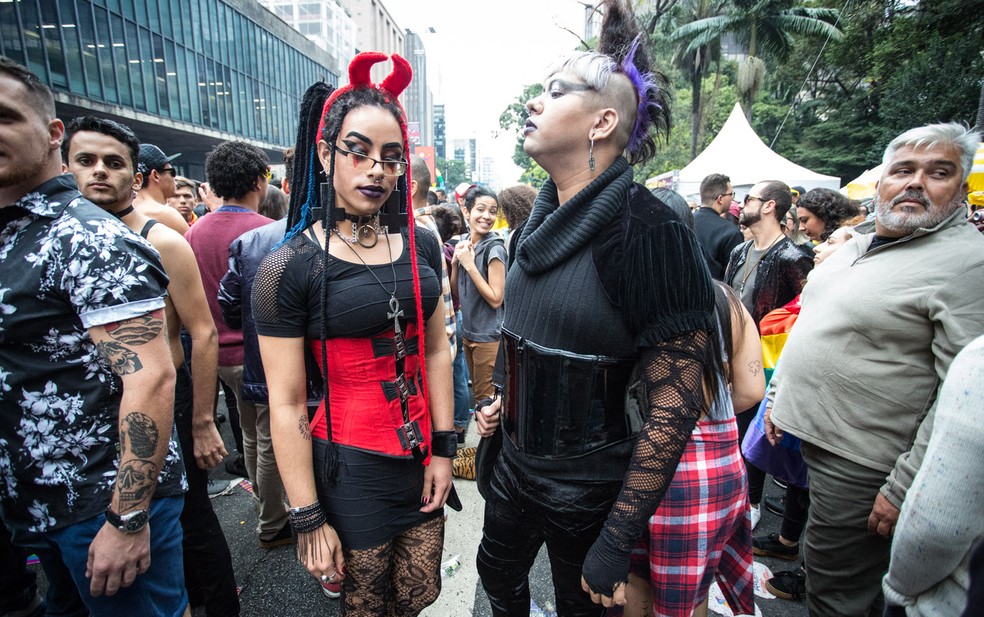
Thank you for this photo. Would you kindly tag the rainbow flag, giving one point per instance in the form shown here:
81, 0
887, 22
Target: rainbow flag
774, 329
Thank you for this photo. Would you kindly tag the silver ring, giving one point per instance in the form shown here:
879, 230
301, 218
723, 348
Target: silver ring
327, 579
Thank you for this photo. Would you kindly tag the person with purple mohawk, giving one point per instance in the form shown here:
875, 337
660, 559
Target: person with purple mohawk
611, 365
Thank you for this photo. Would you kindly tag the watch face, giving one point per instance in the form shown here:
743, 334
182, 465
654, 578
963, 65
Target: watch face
130, 522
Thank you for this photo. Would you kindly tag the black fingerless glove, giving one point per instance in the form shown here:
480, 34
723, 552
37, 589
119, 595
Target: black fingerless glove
606, 565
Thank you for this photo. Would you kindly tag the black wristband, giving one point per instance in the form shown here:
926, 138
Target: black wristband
308, 518
444, 443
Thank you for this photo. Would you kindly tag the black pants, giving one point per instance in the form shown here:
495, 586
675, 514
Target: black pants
522, 513
207, 561
18, 583
796, 512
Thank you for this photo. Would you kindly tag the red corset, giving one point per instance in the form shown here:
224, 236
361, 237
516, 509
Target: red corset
365, 403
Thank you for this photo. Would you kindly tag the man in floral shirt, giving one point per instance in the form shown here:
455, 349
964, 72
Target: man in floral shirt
88, 464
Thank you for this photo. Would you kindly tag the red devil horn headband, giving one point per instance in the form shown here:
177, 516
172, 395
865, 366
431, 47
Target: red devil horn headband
394, 83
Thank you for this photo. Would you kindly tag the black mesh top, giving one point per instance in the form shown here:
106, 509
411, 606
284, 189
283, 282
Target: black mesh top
287, 291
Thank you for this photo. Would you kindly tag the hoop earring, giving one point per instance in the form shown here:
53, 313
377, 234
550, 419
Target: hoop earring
591, 163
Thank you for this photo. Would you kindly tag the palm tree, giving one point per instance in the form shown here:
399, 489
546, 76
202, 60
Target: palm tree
697, 62
764, 26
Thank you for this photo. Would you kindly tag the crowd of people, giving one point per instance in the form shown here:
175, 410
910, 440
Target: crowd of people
635, 370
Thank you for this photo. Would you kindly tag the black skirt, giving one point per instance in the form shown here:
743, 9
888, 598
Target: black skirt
374, 498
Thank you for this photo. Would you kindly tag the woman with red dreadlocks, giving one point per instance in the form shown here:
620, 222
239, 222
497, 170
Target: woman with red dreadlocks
368, 473
613, 360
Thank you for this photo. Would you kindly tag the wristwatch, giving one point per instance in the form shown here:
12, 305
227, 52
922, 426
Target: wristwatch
131, 522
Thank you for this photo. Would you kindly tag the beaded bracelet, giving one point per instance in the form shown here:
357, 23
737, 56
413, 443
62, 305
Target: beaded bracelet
307, 518
444, 443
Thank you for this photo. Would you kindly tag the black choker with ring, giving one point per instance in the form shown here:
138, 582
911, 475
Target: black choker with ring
365, 229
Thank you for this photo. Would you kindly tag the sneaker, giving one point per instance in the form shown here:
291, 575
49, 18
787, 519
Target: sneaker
780, 483
282, 538
756, 516
237, 466
217, 488
776, 506
770, 546
333, 589
788, 585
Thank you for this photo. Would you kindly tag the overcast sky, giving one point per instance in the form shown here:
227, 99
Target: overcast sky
484, 52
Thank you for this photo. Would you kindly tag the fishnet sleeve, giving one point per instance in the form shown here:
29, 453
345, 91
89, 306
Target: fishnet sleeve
673, 373
281, 289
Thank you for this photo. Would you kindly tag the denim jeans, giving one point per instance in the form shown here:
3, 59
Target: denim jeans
158, 592
462, 401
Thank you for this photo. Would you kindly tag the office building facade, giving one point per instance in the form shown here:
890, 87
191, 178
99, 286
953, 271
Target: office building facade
184, 74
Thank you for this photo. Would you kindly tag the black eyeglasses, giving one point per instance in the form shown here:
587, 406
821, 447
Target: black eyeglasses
731, 194
169, 170
365, 163
748, 198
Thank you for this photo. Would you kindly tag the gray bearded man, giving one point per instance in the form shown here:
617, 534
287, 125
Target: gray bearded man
881, 321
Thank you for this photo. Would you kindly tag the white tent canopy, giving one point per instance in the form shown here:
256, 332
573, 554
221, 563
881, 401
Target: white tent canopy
741, 155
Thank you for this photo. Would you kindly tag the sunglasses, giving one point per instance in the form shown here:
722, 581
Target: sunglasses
749, 198
169, 170
268, 174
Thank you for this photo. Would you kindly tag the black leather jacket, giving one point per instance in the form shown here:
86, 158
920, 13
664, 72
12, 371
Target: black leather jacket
779, 276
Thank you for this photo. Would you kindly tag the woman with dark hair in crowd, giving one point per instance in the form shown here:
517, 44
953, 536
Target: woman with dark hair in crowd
821, 211
613, 359
353, 281
274, 204
478, 273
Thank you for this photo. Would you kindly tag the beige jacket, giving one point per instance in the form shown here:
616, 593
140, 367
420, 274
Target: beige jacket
861, 370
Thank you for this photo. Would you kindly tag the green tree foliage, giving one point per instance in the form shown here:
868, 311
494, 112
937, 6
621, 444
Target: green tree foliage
513, 119
455, 172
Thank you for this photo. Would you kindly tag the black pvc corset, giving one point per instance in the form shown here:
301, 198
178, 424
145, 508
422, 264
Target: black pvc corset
561, 405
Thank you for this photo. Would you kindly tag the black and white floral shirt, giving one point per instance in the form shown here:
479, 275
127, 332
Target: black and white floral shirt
66, 265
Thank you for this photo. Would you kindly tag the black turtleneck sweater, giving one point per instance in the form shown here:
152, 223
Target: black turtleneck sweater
608, 273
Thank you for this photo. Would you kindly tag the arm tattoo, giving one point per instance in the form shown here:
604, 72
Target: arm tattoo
754, 367
136, 478
139, 330
140, 434
121, 360
304, 427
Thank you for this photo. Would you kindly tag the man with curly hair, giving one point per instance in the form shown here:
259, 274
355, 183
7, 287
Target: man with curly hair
239, 173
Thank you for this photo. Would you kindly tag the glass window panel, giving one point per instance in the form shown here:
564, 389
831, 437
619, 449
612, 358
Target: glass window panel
177, 28
10, 31
73, 50
103, 50
118, 51
221, 35
132, 51
114, 6
141, 6
203, 90
160, 76
171, 75
227, 100
153, 16
147, 67
87, 33
128, 12
211, 29
32, 40
50, 28
166, 19
239, 41
193, 89
196, 25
